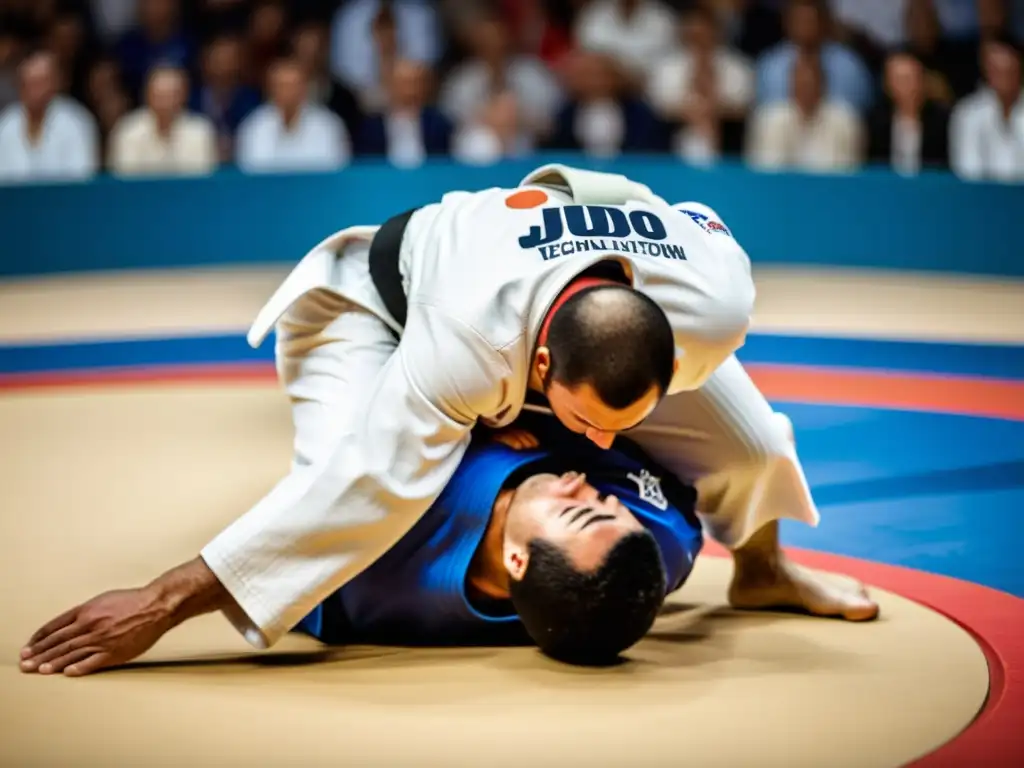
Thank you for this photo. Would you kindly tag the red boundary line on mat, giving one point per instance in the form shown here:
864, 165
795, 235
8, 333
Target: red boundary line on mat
932, 393
227, 373
994, 739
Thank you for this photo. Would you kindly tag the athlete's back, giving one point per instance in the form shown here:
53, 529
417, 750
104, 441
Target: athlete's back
495, 260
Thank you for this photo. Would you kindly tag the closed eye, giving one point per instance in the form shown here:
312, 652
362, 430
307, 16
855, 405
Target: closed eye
580, 513
596, 519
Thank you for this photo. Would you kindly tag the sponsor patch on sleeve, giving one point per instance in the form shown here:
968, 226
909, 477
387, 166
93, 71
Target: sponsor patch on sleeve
706, 223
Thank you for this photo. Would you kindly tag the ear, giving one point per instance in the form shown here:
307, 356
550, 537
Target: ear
675, 367
542, 362
515, 560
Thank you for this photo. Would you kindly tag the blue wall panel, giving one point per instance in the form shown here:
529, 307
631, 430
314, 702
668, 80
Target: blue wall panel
872, 219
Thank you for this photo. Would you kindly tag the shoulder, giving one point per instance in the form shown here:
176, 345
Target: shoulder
779, 55
11, 117
660, 16
259, 118
197, 125
841, 113
71, 112
451, 363
673, 66
971, 107
733, 64
773, 114
131, 124
840, 54
322, 117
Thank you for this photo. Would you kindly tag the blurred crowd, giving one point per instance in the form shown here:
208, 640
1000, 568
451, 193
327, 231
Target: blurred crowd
176, 87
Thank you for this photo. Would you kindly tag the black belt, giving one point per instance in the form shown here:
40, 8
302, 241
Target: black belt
384, 270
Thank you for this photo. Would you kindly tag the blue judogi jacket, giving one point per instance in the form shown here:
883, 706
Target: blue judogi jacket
416, 593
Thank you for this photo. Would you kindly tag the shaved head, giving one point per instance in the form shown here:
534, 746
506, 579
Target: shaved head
615, 339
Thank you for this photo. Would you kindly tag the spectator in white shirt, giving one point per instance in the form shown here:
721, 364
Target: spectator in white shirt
703, 89
986, 138
496, 132
291, 133
491, 70
636, 33
162, 138
809, 132
45, 136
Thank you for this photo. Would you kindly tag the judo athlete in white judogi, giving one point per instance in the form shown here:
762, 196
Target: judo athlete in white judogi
392, 354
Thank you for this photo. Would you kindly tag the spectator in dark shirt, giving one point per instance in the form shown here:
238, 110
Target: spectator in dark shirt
908, 130
602, 118
311, 47
266, 39
222, 96
158, 40
68, 40
106, 97
951, 69
409, 129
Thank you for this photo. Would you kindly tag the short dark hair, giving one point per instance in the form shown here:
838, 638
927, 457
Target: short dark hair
620, 347
590, 618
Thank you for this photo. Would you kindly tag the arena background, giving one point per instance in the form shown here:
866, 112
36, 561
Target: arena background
136, 421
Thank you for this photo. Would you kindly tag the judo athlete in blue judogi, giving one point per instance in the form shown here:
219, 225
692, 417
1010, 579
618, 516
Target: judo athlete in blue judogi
564, 544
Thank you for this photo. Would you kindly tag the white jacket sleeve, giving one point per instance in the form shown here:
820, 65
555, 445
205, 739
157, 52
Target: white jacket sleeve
323, 524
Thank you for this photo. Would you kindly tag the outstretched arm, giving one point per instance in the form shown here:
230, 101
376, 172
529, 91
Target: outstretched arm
322, 525
115, 627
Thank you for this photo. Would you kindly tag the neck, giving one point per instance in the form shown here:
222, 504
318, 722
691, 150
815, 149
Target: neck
163, 124
487, 575
1008, 102
290, 117
405, 110
908, 111
34, 122
808, 111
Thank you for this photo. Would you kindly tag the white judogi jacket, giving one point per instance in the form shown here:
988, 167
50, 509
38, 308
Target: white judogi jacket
480, 271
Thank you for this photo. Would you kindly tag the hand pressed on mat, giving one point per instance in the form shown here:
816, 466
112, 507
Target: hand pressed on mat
116, 627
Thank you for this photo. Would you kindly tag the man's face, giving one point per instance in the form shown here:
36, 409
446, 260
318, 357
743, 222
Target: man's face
159, 17
38, 83
310, 45
904, 77
166, 94
582, 411
699, 33
1002, 70
804, 25
408, 85
224, 61
569, 514
288, 88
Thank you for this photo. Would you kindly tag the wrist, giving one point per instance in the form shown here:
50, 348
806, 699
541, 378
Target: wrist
189, 590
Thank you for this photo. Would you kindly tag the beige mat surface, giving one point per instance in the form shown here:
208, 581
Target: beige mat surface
105, 488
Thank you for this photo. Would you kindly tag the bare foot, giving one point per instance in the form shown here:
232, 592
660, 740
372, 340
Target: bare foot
784, 585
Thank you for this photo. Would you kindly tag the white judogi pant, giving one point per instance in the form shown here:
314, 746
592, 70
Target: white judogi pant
724, 437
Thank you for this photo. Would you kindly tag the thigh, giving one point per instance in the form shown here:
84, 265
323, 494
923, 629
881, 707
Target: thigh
726, 423
329, 352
